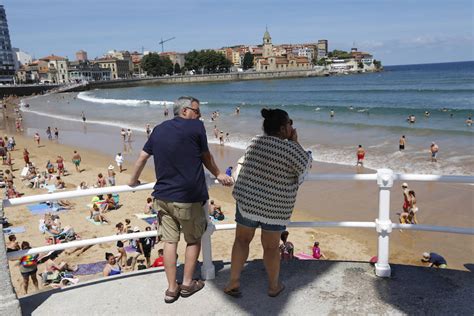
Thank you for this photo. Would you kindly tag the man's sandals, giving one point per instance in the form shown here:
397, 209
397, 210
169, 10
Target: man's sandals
195, 286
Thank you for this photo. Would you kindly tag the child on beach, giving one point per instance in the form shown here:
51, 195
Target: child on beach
286, 247
37, 138
360, 156
317, 254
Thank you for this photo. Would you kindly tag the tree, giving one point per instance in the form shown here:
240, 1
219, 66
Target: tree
321, 62
378, 64
206, 61
248, 61
156, 65
177, 68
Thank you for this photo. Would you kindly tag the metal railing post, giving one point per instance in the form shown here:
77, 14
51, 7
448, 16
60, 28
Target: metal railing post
208, 271
383, 223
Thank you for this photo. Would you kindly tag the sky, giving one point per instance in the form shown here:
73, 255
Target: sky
395, 32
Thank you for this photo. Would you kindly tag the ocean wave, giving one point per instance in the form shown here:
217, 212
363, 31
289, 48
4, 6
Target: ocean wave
86, 96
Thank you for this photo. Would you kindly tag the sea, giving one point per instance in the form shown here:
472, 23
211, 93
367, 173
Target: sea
369, 109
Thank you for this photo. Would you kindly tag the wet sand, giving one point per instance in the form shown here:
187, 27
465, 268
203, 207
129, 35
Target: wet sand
440, 204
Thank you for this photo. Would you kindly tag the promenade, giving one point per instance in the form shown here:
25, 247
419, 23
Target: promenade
312, 288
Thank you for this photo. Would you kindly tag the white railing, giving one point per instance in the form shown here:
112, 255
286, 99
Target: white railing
383, 225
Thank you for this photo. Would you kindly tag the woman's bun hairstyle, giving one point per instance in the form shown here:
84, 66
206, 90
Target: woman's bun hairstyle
266, 113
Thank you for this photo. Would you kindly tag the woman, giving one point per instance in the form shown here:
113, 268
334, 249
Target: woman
97, 215
28, 267
60, 162
411, 218
111, 268
274, 162
109, 203
12, 244
286, 248
101, 183
122, 259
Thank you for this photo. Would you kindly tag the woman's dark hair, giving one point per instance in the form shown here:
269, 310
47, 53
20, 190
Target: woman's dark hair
25, 245
11, 237
108, 255
411, 192
284, 236
274, 119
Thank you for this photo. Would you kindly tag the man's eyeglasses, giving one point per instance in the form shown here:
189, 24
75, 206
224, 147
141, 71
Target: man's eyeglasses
196, 111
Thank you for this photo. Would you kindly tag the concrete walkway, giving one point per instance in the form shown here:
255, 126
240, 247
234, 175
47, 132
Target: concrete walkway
312, 288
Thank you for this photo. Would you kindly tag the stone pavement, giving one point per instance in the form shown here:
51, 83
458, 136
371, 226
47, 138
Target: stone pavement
312, 288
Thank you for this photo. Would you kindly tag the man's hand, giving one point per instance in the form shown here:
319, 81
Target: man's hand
133, 183
225, 180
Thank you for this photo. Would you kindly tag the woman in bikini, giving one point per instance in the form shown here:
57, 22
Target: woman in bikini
411, 218
111, 268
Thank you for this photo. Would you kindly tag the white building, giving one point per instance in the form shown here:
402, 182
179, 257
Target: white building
22, 57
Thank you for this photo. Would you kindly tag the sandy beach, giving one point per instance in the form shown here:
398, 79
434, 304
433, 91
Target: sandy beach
440, 204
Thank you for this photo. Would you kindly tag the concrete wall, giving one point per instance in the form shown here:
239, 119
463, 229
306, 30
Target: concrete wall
22, 90
234, 76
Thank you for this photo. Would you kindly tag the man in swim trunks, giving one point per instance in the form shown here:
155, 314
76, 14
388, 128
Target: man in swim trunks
76, 160
360, 156
401, 143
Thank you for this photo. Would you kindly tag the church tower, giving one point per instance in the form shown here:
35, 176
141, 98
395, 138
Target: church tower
267, 45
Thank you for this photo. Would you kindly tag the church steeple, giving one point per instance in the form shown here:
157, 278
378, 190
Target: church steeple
267, 44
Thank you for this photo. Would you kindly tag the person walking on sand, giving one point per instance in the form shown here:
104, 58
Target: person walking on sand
434, 152
119, 161
274, 162
413, 210
360, 156
123, 134
179, 149
406, 204
111, 175
216, 131
401, 143
37, 138
148, 130
56, 133
49, 133
76, 160
129, 135
221, 137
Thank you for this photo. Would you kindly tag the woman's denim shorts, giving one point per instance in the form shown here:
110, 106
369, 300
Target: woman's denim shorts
239, 219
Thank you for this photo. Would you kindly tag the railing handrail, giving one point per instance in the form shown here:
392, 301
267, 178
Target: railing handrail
148, 186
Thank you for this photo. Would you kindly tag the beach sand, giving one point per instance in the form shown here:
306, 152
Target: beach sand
440, 204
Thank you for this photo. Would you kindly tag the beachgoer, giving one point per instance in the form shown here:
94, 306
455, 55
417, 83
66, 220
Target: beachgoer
59, 184
401, 143
119, 161
96, 214
12, 244
179, 148
147, 243
317, 253
122, 259
136, 248
49, 167
159, 261
412, 211
28, 268
26, 156
221, 137
411, 119
128, 226
111, 175
360, 156
83, 116
56, 133
216, 131
406, 204
123, 134
148, 130
434, 152
60, 162
129, 135
286, 248
275, 162
51, 266
48, 133
101, 183
76, 160
469, 121
227, 139
237, 110
149, 206
83, 186
37, 138
427, 114
434, 260
228, 171
166, 112
331, 113
109, 203
112, 267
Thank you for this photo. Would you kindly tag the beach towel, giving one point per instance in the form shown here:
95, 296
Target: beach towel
24, 172
50, 187
89, 219
150, 220
14, 230
304, 256
143, 215
43, 208
90, 268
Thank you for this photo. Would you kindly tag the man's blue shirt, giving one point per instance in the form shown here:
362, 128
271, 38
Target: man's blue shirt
177, 146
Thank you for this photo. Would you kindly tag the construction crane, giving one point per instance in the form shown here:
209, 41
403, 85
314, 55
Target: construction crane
164, 41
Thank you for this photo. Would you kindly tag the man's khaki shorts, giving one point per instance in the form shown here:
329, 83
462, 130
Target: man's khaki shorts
189, 218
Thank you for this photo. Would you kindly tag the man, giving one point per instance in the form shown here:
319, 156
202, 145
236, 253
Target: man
401, 143
360, 156
434, 260
179, 149
434, 151
76, 160
119, 161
